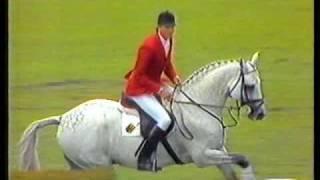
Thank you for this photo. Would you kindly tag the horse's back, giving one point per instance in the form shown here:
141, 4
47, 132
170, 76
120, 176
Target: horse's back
91, 108
97, 103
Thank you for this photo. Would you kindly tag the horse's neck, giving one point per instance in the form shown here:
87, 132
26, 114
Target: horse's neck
209, 88
212, 87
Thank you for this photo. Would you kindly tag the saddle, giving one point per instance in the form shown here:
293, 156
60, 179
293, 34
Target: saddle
147, 123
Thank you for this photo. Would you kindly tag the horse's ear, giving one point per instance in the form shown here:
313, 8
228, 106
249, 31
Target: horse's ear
255, 58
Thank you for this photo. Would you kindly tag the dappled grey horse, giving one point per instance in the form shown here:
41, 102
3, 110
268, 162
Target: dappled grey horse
90, 134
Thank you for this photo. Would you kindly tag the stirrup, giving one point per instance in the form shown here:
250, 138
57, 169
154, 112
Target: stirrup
149, 164
153, 167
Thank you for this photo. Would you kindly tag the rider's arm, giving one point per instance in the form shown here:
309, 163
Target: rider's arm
170, 71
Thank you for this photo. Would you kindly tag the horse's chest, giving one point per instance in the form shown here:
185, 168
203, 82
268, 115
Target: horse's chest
213, 139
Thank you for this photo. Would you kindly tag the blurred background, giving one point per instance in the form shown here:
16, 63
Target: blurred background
63, 53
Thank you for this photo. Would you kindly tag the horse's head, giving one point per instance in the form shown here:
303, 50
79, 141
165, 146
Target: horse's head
247, 88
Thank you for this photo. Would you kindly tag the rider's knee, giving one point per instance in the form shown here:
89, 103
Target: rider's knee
164, 123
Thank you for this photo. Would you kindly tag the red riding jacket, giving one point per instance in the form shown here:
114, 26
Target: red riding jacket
145, 77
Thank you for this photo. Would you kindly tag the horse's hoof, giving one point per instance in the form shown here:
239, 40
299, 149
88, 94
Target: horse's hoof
241, 161
248, 174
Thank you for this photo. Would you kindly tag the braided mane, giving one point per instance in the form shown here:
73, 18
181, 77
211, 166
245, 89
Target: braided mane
207, 68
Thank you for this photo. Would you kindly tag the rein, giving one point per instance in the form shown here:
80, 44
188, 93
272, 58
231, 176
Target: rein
203, 106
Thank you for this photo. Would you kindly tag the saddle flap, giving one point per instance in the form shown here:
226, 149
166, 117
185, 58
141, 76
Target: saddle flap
130, 122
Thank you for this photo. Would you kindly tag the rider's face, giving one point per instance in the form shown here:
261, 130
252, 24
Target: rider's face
166, 31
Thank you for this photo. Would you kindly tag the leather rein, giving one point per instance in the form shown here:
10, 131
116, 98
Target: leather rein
244, 100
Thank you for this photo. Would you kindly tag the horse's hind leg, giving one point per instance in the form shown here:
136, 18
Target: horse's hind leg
72, 165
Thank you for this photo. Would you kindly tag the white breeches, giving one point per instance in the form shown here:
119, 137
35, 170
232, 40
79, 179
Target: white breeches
153, 108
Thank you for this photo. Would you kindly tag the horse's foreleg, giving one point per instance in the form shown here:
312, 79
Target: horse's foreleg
227, 169
219, 157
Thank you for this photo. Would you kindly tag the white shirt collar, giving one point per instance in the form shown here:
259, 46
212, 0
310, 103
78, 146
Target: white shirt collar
165, 43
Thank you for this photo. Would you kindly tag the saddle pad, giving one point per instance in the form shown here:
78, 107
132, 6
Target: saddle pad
130, 124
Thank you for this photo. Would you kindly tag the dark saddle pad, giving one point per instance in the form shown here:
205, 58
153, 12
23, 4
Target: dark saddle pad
146, 121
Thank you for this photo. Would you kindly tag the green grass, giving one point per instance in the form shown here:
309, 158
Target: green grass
90, 45
96, 174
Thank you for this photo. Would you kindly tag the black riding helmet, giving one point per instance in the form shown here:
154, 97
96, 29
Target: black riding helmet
166, 18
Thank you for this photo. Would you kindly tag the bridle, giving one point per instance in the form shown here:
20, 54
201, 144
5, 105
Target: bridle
244, 100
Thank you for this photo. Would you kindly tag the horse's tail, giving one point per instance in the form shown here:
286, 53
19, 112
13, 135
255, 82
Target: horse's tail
29, 159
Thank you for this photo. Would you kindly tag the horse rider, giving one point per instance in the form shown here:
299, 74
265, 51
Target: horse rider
145, 80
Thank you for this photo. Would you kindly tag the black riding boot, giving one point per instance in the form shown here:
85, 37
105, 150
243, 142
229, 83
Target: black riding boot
145, 160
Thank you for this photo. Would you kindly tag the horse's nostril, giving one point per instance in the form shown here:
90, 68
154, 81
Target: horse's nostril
260, 116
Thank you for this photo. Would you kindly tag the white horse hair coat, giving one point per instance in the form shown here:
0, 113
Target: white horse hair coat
90, 134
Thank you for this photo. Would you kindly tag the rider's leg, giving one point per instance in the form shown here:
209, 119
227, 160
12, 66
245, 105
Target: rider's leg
153, 108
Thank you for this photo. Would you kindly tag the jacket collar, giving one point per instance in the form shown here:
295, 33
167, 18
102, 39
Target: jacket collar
159, 43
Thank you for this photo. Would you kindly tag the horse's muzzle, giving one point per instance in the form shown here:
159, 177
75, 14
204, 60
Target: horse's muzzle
257, 113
